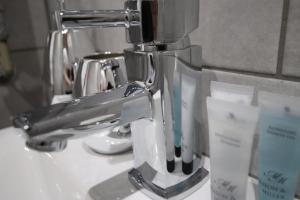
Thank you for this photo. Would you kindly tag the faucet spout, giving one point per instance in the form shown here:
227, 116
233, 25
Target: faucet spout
87, 115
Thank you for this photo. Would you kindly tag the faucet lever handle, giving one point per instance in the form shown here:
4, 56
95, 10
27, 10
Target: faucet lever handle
73, 19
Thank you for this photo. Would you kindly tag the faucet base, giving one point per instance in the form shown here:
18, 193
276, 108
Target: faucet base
148, 183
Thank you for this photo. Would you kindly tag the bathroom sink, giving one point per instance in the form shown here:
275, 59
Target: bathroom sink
29, 175
68, 175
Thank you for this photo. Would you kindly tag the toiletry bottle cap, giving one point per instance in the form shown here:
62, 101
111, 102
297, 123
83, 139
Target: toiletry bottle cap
171, 166
187, 168
177, 152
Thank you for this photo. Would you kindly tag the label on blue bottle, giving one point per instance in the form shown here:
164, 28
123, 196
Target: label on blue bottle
224, 189
177, 114
279, 156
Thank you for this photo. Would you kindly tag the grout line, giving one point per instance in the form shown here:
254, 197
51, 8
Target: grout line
257, 74
48, 13
282, 39
27, 49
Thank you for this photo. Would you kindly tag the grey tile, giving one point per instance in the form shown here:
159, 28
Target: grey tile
28, 81
27, 23
291, 61
265, 84
11, 102
241, 35
24, 91
5, 114
30, 62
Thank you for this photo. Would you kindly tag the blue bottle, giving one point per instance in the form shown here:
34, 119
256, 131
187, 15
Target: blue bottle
279, 161
177, 112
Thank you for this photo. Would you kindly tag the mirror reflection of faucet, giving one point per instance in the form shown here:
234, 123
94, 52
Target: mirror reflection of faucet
98, 73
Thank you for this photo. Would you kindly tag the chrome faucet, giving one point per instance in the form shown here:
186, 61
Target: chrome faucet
158, 30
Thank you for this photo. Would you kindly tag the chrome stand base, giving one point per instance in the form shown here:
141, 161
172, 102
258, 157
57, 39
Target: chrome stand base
175, 192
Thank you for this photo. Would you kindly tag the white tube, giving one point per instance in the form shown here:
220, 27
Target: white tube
231, 131
279, 146
188, 91
231, 92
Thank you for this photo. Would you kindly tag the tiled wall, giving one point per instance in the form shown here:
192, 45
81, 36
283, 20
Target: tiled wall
251, 42
27, 24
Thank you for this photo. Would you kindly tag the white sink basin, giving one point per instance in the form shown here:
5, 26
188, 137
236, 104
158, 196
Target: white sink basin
29, 175
67, 175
